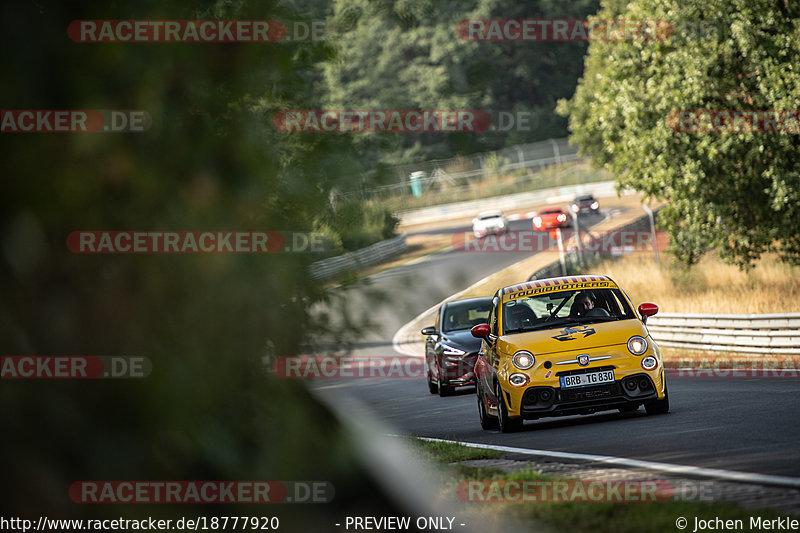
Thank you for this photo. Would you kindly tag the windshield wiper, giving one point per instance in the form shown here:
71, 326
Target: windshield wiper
518, 330
563, 321
547, 324
585, 319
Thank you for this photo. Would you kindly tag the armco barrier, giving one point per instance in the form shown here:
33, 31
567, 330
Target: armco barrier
777, 334
333, 266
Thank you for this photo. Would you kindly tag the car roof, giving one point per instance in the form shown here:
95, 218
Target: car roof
584, 197
466, 301
548, 210
494, 213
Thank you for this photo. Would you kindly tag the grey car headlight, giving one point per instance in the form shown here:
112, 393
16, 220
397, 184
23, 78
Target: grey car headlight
451, 350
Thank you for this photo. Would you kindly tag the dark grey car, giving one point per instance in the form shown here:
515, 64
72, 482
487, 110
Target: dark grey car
450, 349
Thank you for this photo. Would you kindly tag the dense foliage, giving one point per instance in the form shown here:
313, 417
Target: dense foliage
207, 322
407, 54
733, 187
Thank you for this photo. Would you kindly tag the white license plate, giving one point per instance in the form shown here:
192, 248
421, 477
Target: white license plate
582, 380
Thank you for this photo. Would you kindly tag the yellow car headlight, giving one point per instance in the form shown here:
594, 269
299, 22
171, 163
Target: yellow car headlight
637, 345
523, 360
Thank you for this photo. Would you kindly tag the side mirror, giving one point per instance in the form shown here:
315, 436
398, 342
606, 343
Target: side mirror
646, 310
430, 330
480, 331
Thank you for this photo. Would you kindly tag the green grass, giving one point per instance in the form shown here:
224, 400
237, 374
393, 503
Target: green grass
450, 452
589, 517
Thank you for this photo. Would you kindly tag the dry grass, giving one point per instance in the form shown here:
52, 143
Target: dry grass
709, 287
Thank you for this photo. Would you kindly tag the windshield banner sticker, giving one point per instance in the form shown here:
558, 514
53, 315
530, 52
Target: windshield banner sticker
525, 291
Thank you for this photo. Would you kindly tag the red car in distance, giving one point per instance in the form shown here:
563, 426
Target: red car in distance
550, 218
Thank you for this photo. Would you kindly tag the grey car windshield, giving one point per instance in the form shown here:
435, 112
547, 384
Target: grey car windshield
464, 316
556, 309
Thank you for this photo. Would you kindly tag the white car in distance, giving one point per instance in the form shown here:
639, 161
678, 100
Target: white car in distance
489, 222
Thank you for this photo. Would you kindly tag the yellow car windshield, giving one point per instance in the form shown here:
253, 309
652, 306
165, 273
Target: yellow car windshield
557, 308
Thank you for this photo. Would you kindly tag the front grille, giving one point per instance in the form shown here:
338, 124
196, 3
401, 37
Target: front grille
589, 393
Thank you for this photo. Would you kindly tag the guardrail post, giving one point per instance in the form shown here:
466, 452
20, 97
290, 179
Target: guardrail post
577, 236
556, 153
561, 252
652, 229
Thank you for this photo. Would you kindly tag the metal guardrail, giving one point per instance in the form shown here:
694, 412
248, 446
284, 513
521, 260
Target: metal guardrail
462, 173
777, 334
537, 155
333, 266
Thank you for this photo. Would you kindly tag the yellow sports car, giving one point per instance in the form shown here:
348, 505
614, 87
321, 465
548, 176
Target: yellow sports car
566, 346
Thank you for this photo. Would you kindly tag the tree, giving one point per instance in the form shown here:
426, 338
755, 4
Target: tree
210, 161
407, 54
730, 187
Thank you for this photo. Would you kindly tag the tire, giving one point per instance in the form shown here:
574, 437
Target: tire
658, 407
432, 387
444, 390
487, 422
505, 422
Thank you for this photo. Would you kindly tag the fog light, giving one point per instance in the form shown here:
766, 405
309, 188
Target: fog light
630, 385
545, 395
518, 380
649, 362
644, 384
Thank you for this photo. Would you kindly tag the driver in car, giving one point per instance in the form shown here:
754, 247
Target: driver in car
584, 302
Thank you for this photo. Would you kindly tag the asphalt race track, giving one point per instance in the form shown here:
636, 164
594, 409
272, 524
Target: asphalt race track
739, 424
